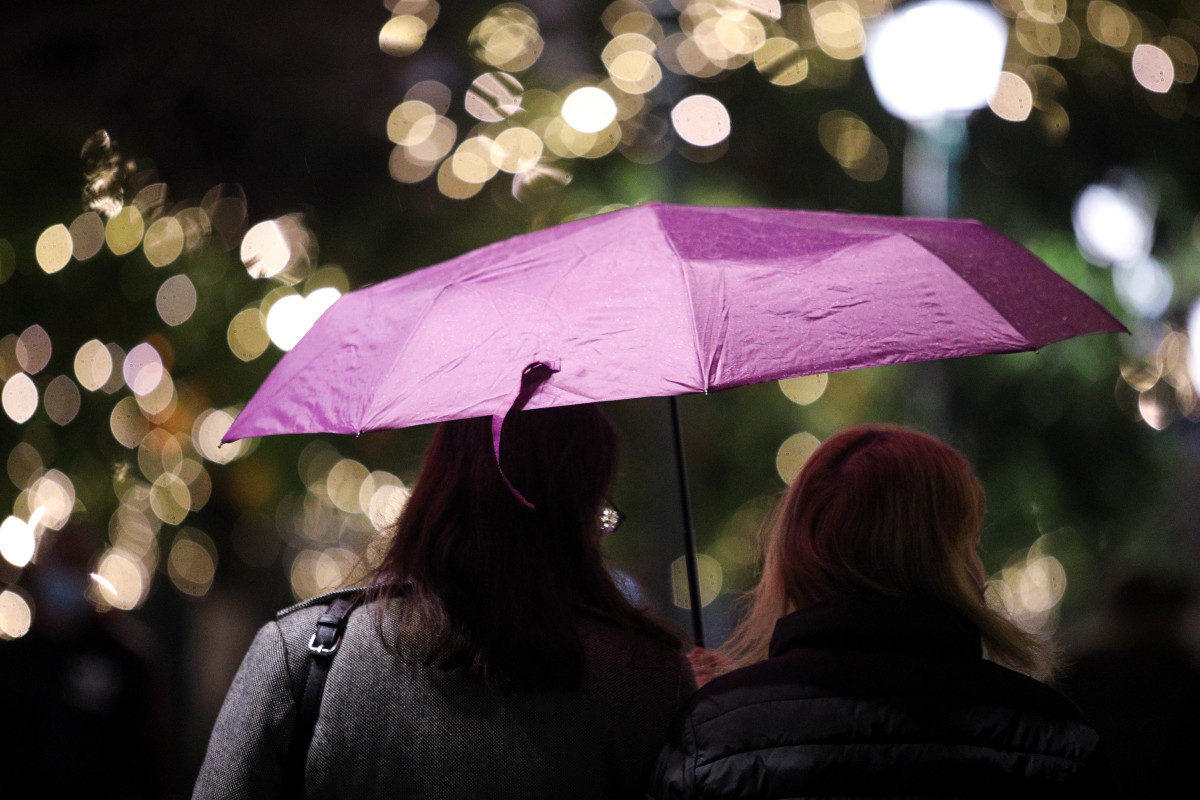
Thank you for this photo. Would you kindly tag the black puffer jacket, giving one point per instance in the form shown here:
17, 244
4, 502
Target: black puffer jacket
873, 696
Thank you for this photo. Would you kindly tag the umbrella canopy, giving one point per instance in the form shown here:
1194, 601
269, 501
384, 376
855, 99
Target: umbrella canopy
661, 300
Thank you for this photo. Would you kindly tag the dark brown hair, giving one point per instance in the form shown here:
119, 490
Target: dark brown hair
492, 586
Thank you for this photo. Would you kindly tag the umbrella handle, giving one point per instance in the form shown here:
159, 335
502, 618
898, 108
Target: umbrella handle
689, 539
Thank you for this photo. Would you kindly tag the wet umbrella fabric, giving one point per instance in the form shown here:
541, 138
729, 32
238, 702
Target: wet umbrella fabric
661, 300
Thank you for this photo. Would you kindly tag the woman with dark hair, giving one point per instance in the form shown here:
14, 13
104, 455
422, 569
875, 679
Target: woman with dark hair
493, 655
869, 662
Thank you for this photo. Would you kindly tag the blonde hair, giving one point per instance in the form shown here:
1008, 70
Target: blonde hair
883, 510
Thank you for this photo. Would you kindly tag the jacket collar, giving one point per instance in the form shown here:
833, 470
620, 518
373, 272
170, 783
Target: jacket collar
875, 623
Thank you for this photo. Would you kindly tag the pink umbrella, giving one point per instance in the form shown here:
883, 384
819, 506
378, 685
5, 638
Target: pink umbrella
660, 300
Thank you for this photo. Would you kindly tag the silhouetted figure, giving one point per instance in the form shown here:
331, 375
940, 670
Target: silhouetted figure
83, 706
494, 656
870, 663
1140, 685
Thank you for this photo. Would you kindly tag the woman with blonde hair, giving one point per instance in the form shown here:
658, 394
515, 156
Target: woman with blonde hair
869, 662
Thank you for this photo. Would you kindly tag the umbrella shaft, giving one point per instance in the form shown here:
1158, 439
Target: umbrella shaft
689, 539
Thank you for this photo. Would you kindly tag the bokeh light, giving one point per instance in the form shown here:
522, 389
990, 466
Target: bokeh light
192, 562
838, 28
290, 317
24, 464
314, 572
247, 334
1030, 588
433, 92
51, 500
711, 578
516, 150
1114, 223
454, 187
858, 151
1013, 99
343, 484
792, 454
33, 349
781, 61
1143, 287
589, 109
54, 248
508, 38
87, 235
127, 423
164, 241
473, 162
805, 390
492, 97
93, 365
281, 248
19, 398
62, 400
701, 120
161, 401
176, 300
121, 579
17, 541
170, 498
402, 35
1110, 24
936, 57
123, 233
631, 63
409, 124
143, 369
1153, 68
387, 496
16, 613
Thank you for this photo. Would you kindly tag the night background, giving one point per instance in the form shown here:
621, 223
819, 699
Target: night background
171, 173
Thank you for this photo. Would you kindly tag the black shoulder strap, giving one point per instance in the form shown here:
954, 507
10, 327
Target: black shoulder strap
321, 649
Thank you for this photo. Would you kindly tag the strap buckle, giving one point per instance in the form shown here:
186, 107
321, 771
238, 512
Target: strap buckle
323, 648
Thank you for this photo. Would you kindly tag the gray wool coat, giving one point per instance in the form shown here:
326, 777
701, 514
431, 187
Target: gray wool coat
390, 727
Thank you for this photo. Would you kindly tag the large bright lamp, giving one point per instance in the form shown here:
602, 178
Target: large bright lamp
935, 58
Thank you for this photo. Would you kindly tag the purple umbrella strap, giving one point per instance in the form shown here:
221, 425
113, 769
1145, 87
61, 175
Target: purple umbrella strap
532, 379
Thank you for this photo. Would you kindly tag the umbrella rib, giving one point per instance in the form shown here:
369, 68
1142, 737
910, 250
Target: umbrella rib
979, 293
400, 352
681, 263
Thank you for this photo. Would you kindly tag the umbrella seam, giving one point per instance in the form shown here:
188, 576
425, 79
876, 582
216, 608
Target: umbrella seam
1030, 345
399, 352
679, 261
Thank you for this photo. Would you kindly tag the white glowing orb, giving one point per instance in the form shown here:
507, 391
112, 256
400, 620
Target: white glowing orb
1144, 287
15, 615
17, 541
266, 251
19, 397
936, 57
701, 120
292, 316
1113, 224
589, 110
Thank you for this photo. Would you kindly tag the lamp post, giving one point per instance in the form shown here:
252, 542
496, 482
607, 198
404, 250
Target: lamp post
932, 63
